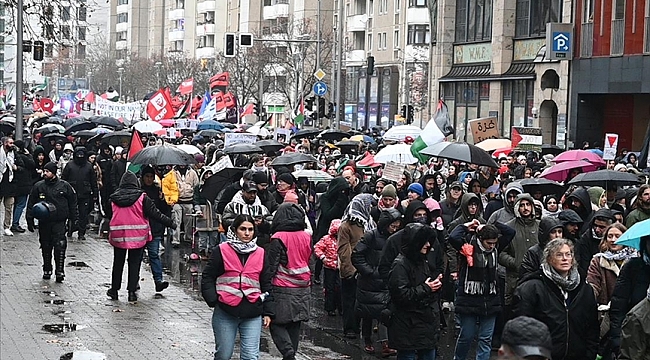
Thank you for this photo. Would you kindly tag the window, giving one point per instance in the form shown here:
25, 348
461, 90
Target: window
619, 10
65, 13
180, 4
383, 41
396, 39
369, 42
398, 4
122, 2
434, 21
588, 11
533, 15
281, 52
49, 50
474, 20
419, 34
65, 32
122, 18
383, 6
81, 13
417, 3
371, 7
81, 33
81, 52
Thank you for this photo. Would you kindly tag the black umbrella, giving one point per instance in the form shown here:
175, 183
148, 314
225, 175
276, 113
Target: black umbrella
106, 121
334, 135
215, 183
269, 145
82, 125
55, 136
26, 111
7, 127
546, 186
55, 120
460, 151
292, 159
117, 138
161, 155
208, 133
305, 133
84, 134
605, 178
348, 146
243, 149
552, 149
71, 121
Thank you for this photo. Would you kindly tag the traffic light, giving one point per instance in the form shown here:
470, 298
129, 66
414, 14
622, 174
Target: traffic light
309, 103
371, 65
246, 40
257, 110
330, 110
27, 46
403, 111
229, 45
409, 114
321, 107
39, 50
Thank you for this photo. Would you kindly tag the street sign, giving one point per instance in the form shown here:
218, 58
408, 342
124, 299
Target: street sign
320, 88
559, 41
319, 74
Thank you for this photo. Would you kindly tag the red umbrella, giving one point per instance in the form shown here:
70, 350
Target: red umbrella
503, 151
573, 155
559, 172
368, 161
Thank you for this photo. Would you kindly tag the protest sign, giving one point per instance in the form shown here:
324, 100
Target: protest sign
611, 143
484, 128
393, 171
128, 112
282, 135
527, 138
239, 138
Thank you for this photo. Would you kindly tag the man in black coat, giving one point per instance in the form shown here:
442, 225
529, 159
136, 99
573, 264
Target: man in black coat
572, 222
451, 204
588, 244
119, 167
22, 183
226, 195
105, 161
80, 174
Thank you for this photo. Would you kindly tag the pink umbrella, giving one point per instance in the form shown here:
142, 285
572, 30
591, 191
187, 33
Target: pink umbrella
71, 115
167, 123
559, 172
573, 155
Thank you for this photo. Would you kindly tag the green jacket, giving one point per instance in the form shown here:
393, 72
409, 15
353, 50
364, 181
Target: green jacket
636, 216
635, 333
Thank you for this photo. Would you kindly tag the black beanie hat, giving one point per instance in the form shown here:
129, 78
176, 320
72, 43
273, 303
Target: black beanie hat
286, 177
261, 177
51, 167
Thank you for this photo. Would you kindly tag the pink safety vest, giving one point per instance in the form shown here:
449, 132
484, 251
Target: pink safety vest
129, 228
239, 280
297, 273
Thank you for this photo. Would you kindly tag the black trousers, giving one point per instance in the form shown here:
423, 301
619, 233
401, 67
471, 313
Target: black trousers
135, 259
348, 300
286, 338
83, 205
51, 236
332, 285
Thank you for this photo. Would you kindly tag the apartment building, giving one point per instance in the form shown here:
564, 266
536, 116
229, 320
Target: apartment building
129, 27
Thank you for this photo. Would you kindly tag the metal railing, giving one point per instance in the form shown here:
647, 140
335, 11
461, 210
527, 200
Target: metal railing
587, 40
618, 37
646, 35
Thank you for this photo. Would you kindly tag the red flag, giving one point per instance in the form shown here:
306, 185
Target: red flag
229, 100
136, 144
218, 98
221, 79
90, 97
184, 109
248, 110
186, 87
159, 106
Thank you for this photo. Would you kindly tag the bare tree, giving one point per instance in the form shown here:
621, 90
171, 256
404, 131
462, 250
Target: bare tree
245, 69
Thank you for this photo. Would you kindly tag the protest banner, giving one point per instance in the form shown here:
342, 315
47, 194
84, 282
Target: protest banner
393, 171
282, 135
526, 138
238, 138
611, 144
129, 112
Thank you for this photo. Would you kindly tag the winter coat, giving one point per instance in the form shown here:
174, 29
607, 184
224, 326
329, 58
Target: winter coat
326, 248
209, 220
238, 206
585, 211
36, 174
350, 233
587, 246
574, 327
106, 164
465, 216
23, 174
631, 287
186, 184
492, 206
534, 256
170, 188
372, 292
332, 205
81, 175
448, 210
487, 300
566, 217
415, 321
512, 256
118, 168
226, 195
602, 276
637, 215
155, 194
507, 212
60, 194
635, 341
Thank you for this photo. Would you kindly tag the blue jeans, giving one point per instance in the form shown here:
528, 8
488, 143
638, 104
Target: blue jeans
469, 326
154, 259
225, 329
20, 202
416, 354
208, 240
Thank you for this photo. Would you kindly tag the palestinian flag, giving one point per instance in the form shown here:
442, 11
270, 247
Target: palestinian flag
431, 134
299, 113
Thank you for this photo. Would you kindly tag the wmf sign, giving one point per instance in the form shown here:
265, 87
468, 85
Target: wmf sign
559, 41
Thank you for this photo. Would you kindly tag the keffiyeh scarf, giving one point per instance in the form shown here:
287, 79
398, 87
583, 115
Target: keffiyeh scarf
359, 210
238, 245
621, 255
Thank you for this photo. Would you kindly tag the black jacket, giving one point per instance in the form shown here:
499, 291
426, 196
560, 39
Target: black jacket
574, 328
372, 292
568, 217
36, 175
118, 168
585, 211
106, 164
492, 206
23, 174
155, 194
57, 192
226, 195
332, 205
415, 322
129, 192
631, 287
587, 245
534, 256
81, 175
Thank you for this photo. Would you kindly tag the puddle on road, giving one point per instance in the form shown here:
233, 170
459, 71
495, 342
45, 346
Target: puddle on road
61, 312
83, 355
55, 302
60, 328
78, 264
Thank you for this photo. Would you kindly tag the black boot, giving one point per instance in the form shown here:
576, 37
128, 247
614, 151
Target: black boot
59, 259
161, 285
60, 278
47, 275
112, 294
133, 297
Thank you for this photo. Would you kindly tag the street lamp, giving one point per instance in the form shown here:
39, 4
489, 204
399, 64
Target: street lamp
158, 64
120, 71
89, 75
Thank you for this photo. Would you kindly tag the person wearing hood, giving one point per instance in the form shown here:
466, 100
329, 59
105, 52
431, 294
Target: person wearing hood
56, 153
598, 197
414, 325
118, 166
428, 182
40, 159
22, 183
507, 212
285, 183
526, 227
450, 205
642, 210
355, 222
130, 232
635, 331
261, 178
105, 161
580, 202
387, 200
550, 228
415, 191
247, 202
557, 296
80, 174
495, 203
551, 207
226, 195
51, 231
68, 152
288, 255
478, 301
572, 224
326, 250
470, 208
475, 188
372, 293
589, 243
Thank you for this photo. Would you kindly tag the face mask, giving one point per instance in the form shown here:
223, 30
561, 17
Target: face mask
421, 220
259, 168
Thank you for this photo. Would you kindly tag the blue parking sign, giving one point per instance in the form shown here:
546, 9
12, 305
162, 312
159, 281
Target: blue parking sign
561, 41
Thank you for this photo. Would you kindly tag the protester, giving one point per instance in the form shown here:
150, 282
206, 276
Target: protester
7, 168
551, 206
332, 206
580, 202
635, 342
451, 204
572, 224
550, 228
247, 202
81, 175
187, 180
207, 223
642, 210
68, 152
525, 338
22, 183
507, 212
589, 243
326, 250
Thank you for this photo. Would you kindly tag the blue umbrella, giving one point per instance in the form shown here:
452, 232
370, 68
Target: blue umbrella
597, 152
632, 237
209, 124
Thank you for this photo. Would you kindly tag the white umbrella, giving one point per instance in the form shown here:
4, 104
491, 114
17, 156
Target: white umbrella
259, 131
398, 153
494, 144
313, 175
399, 133
147, 126
190, 149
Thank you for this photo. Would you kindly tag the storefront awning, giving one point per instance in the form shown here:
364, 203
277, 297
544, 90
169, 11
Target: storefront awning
521, 70
467, 73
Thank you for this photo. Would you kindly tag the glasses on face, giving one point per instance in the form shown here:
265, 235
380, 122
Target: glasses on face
561, 255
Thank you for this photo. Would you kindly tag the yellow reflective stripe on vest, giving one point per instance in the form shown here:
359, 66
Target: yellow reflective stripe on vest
237, 280
130, 227
237, 292
292, 280
298, 271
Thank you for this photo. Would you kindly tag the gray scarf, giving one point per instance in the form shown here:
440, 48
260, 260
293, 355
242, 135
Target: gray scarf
238, 245
620, 255
566, 284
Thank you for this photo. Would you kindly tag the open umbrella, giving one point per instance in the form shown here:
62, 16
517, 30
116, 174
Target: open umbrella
208, 133
632, 237
84, 134
333, 135
147, 126
559, 172
243, 149
572, 155
348, 146
313, 175
399, 133
270, 145
494, 144
551, 149
604, 178
364, 138
55, 136
460, 151
81, 125
368, 161
7, 127
546, 186
117, 138
209, 124
215, 183
167, 122
398, 153
258, 131
49, 128
162, 155
305, 133
292, 159
106, 121
190, 149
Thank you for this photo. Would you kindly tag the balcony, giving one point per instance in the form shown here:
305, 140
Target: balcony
618, 37
206, 6
120, 45
176, 35
357, 23
205, 29
355, 56
121, 9
176, 14
207, 52
587, 40
278, 10
416, 15
120, 27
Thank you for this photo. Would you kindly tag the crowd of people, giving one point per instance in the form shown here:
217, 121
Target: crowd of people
392, 256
